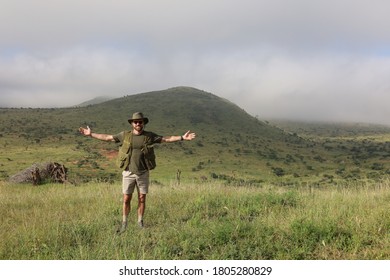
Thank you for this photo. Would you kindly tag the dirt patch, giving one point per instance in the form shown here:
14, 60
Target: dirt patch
110, 154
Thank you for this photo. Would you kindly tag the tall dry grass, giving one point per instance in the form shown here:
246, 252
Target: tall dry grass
197, 221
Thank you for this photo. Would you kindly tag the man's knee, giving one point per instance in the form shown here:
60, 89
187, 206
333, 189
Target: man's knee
127, 198
141, 198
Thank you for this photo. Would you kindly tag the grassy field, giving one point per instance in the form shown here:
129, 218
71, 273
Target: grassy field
249, 189
197, 221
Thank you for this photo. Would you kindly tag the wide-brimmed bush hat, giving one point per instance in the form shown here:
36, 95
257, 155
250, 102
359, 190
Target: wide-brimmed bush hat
138, 116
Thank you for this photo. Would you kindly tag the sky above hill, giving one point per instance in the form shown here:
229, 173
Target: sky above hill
304, 59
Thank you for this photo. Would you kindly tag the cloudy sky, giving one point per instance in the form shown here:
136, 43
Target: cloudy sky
301, 59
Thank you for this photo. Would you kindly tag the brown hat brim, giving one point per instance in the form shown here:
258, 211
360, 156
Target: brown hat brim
146, 120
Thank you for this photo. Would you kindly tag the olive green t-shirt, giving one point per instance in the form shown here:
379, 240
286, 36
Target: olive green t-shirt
137, 161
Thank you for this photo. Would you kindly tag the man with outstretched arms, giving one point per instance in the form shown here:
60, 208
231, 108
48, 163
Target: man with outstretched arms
136, 158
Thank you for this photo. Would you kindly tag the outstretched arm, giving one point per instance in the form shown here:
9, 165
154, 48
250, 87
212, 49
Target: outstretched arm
87, 132
187, 136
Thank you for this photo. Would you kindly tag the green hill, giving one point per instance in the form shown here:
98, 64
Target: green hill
231, 145
94, 101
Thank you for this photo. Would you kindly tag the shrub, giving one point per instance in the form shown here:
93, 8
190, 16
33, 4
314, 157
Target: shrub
278, 171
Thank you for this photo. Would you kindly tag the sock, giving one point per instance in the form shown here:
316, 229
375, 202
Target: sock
124, 219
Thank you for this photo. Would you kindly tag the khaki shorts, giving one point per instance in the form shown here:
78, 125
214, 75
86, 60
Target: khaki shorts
130, 181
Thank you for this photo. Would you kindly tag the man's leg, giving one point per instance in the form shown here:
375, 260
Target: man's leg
125, 212
141, 208
142, 188
126, 206
128, 185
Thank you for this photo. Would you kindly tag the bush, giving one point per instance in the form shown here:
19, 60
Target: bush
278, 171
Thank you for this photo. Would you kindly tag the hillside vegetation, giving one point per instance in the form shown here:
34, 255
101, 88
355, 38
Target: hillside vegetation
231, 145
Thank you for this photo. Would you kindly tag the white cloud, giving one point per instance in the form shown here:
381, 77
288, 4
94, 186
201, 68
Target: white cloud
295, 59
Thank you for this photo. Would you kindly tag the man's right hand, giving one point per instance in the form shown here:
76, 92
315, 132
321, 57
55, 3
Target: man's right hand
85, 131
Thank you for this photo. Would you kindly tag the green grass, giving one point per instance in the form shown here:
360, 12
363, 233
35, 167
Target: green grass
197, 221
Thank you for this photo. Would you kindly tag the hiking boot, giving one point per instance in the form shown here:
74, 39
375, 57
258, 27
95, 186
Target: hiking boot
122, 229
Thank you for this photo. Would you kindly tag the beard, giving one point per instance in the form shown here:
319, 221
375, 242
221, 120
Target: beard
138, 128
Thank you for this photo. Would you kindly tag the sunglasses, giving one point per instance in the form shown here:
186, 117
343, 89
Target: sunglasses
138, 122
